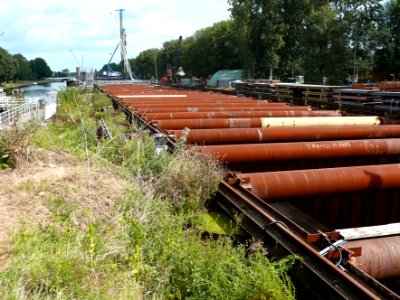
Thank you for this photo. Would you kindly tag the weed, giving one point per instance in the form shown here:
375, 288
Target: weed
188, 181
14, 144
141, 248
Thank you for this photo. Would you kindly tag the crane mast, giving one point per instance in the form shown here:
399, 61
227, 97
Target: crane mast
122, 44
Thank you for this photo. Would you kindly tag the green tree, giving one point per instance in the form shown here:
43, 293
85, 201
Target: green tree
24, 71
324, 47
260, 28
145, 64
360, 19
294, 12
8, 66
40, 69
387, 54
211, 49
168, 54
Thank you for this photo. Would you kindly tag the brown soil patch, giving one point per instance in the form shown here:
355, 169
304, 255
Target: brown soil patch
26, 193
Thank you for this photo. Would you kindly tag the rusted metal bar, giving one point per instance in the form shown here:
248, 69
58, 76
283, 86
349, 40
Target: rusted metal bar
272, 186
261, 135
380, 257
264, 122
238, 114
245, 153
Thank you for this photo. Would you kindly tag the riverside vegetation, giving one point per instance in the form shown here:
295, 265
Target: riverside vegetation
142, 247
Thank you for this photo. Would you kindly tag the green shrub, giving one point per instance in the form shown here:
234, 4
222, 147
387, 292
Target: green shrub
183, 266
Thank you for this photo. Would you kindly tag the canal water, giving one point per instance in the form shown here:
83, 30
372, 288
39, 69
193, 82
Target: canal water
46, 97
42, 90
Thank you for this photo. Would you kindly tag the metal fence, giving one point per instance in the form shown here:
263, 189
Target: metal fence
18, 113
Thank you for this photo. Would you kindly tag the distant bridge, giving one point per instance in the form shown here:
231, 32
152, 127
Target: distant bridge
60, 79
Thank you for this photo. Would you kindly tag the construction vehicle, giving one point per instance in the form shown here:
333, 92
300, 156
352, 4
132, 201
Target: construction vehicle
109, 73
174, 73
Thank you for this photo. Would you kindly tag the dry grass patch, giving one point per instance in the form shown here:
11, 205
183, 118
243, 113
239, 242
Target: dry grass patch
25, 192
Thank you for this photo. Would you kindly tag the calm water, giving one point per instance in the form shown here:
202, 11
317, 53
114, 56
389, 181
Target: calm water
42, 90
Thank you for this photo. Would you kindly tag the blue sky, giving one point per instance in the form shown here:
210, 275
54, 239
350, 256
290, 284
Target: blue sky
90, 28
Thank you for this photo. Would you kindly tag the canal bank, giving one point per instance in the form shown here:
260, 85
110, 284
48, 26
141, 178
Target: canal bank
37, 102
9, 87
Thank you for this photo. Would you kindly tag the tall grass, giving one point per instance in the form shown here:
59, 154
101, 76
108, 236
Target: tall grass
14, 144
142, 249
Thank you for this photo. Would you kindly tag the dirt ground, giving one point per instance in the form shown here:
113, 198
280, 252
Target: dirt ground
26, 192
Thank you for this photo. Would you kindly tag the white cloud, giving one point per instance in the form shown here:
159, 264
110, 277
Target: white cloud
50, 28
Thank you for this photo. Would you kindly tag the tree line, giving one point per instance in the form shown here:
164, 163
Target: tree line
325, 41
17, 67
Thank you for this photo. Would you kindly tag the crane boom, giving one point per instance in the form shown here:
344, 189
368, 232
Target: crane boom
77, 61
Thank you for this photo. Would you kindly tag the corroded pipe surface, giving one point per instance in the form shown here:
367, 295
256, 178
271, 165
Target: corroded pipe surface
264, 122
199, 104
238, 114
180, 101
380, 257
260, 135
244, 153
273, 186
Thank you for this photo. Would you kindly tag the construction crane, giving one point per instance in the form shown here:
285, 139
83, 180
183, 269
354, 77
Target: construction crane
174, 73
124, 56
79, 67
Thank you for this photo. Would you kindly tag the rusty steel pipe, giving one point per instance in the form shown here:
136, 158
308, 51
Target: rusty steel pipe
262, 135
320, 121
208, 123
185, 101
263, 122
273, 186
244, 153
198, 104
195, 108
238, 114
380, 257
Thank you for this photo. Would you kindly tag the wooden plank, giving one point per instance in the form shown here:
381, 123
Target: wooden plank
370, 231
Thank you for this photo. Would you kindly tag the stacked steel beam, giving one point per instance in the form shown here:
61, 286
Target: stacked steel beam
332, 170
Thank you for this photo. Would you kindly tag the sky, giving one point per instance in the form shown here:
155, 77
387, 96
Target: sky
67, 32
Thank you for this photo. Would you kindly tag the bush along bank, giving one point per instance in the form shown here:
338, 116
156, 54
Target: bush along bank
141, 247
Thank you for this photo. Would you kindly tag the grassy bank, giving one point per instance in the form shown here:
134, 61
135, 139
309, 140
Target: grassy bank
145, 245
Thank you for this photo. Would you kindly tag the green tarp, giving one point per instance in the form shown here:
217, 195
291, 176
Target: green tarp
225, 74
